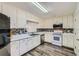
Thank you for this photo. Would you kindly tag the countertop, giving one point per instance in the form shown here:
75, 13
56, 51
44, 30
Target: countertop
22, 36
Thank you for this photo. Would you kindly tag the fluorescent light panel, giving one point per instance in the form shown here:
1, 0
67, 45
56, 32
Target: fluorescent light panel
40, 7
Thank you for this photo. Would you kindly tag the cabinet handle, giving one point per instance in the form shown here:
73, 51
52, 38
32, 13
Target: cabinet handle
77, 39
75, 47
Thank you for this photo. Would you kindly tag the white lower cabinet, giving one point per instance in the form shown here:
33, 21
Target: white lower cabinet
14, 48
49, 37
76, 46
23, 46
36, 41
68, 40
33, 42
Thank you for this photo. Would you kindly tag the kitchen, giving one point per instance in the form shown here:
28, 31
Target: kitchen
49, 30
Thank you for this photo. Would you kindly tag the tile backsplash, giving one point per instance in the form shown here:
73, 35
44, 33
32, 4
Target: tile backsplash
16, 31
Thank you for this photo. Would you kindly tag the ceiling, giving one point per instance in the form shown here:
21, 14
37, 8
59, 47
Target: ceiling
54, 8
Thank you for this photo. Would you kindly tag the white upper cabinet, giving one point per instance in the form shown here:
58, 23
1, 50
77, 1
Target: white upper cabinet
21, 19
65, 22
70, 21
59, 20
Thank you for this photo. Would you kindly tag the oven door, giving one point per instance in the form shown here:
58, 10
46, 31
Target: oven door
57, 40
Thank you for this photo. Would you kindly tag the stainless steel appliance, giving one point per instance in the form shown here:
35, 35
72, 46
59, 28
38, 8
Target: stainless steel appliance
42, 38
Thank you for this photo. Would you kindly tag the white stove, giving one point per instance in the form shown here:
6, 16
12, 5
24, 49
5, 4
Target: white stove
57, 38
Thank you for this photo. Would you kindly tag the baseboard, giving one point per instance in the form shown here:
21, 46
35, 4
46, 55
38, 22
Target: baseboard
68, 48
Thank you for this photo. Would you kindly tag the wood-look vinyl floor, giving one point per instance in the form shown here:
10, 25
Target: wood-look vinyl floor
47, 49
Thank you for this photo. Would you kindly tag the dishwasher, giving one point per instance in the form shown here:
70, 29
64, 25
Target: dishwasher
42, 38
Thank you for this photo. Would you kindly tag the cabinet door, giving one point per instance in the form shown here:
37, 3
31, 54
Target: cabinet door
70, 40
36, 41
23, 46
14, 48
48, 37
76, 44
30, 43
70, 21
65, 22
65, 42
21, 19
60, 21
33, 42
56, 20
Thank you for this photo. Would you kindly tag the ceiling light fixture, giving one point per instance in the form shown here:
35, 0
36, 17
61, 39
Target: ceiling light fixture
40, 7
